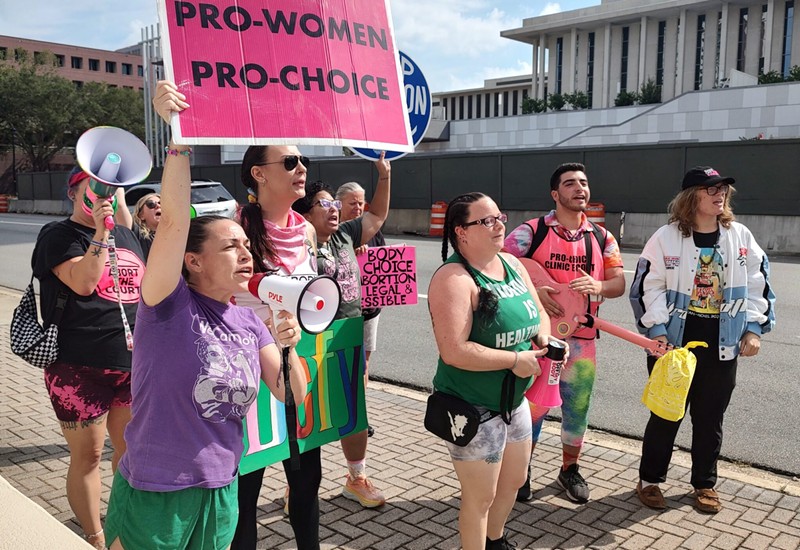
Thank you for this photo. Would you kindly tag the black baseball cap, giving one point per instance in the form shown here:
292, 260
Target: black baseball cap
704, 176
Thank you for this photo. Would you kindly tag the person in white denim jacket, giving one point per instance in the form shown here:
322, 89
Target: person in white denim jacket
701, 277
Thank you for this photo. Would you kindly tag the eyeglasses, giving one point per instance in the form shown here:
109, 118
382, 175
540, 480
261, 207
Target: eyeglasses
152, 204
713, 190
290, 162
488, 221
326, 204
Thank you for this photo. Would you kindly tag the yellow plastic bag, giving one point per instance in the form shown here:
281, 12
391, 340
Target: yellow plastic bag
668, 386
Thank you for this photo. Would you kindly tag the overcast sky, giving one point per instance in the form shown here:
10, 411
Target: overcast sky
456, 43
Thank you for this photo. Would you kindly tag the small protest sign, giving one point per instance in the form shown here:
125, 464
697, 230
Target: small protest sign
388, 276
320, 72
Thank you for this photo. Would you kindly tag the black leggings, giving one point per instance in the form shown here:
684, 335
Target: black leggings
303, 503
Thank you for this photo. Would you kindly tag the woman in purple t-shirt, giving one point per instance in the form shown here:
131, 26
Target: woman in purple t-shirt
198, 359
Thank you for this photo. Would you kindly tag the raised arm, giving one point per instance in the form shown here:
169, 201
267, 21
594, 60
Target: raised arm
165, 261
122, 216
82, 273
372, 221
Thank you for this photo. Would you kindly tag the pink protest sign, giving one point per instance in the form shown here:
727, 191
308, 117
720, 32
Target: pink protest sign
388, 276
317, 72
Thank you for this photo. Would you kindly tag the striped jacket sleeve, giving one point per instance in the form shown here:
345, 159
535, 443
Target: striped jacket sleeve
648, 294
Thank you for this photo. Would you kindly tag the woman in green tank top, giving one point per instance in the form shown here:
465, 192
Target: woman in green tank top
486, 314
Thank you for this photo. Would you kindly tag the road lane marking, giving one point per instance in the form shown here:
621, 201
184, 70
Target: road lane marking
22, 223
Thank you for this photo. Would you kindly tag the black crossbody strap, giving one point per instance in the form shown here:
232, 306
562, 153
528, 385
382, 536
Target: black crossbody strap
507, 396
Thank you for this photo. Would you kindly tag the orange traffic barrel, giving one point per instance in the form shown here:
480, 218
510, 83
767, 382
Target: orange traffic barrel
596, 212
438, 211
3, 203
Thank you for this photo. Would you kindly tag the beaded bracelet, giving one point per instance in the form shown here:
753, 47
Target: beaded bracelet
99, 244
175, 152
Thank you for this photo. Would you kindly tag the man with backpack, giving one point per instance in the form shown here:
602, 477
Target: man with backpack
576, 251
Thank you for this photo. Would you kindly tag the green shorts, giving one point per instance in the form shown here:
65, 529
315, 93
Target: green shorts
193, 518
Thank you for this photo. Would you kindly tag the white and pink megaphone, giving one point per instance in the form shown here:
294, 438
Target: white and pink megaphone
313, 302
113, 158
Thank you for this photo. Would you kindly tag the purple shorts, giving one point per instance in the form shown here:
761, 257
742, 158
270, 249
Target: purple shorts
82, 393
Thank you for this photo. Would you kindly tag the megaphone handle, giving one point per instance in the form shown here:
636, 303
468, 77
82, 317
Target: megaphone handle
291, 411
109, 222
653, 346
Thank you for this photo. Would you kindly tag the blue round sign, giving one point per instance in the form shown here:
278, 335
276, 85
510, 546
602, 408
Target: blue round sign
418, 102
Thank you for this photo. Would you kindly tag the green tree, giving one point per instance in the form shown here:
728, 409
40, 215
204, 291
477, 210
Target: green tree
49, 113
107, 106
794, 73
556, 102
649, 93
625, 99
42, 107
531, 105
578, 100
771, 77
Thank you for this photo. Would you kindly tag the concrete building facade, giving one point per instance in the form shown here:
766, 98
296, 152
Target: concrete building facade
80, 64
683, 45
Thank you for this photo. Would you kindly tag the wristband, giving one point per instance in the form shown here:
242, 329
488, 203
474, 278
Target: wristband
99, 244
516, 359
175, 152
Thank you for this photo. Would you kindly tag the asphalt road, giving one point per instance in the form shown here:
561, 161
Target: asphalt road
762, 426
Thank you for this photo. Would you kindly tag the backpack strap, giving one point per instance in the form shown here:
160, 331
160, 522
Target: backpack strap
600, 235
538, 235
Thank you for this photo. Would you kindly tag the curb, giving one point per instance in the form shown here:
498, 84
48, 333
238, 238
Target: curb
740, 472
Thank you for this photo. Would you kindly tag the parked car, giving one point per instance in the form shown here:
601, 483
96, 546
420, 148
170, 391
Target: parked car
208, 197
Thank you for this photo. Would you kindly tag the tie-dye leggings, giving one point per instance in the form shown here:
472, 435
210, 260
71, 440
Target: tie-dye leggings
577, 381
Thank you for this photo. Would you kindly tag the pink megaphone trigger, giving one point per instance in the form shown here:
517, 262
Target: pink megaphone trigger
545, 390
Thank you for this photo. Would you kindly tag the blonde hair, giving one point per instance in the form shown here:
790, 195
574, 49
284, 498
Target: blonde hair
683, 207
137, 211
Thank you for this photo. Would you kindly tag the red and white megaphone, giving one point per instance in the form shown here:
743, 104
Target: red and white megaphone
113, 158
313, 302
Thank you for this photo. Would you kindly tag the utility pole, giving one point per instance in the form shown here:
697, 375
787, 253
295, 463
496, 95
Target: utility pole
13, 160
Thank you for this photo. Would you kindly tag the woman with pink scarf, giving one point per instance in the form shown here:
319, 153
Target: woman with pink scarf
281, 242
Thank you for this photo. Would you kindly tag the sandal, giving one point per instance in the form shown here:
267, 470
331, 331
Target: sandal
707, 501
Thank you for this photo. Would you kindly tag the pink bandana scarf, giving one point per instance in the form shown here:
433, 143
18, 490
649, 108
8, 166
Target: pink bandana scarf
289, 240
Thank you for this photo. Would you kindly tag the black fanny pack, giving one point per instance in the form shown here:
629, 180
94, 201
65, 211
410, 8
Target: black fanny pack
454, 420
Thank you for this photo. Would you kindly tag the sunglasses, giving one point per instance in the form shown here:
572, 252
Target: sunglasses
152, 204
488, 221
713, 190
290, 162
326, 204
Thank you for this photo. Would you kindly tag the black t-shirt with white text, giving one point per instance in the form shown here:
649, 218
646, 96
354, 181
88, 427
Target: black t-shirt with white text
90, 332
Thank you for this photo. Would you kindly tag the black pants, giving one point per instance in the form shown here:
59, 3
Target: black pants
709, 395
303, 503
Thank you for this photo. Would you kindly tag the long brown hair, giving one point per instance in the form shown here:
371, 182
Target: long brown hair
261, 246
683, 207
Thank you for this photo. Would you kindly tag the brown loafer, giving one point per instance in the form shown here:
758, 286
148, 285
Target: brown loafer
707, 501
651, 496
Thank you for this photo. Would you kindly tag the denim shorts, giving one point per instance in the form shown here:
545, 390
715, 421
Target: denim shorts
494, 434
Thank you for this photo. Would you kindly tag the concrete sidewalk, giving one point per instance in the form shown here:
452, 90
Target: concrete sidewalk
413, 469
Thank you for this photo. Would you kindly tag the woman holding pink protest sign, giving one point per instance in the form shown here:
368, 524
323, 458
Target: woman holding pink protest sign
197, 363
352, 197
336, 256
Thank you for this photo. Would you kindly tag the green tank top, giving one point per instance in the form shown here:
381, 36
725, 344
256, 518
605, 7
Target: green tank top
511, 328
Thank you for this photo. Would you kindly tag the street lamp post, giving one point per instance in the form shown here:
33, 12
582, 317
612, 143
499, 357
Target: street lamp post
13, 160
